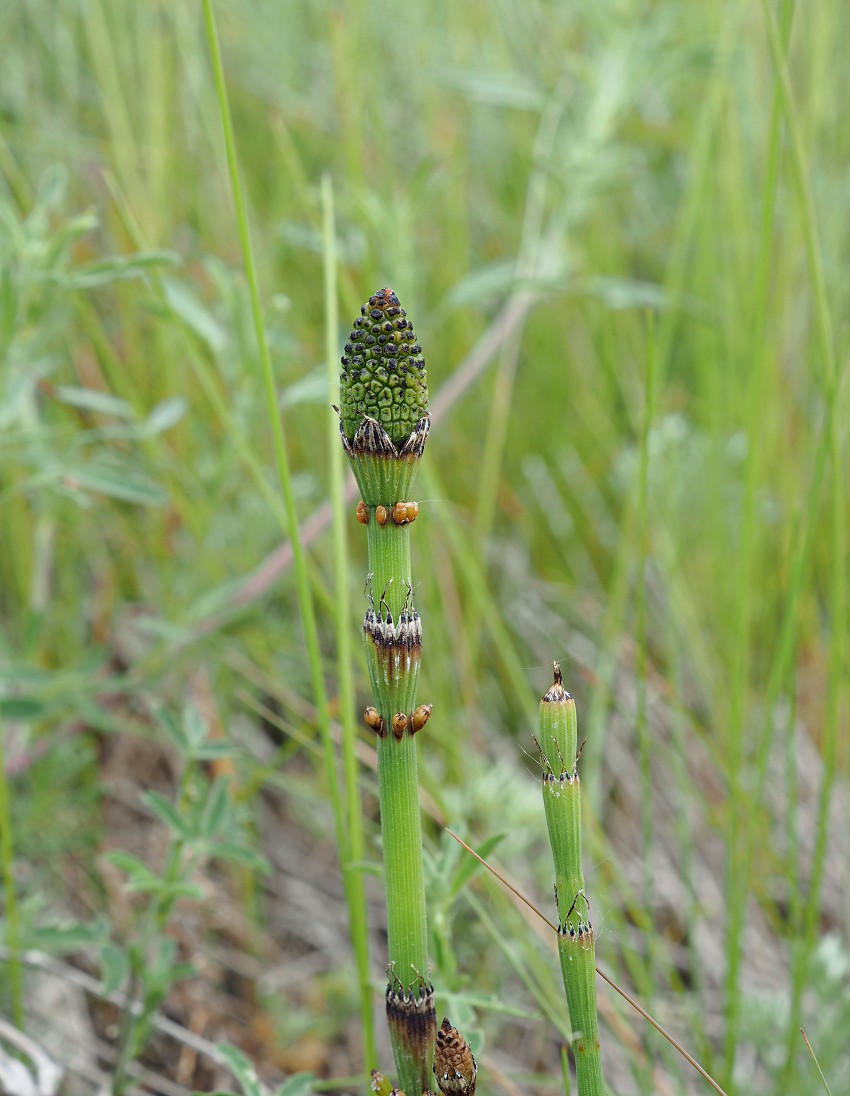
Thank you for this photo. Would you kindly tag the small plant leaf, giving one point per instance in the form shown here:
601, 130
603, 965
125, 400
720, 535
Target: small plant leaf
186, 306
90, 399
162, 971
214, 750
173, 730
168, 814
20, 707
367, 867
164, 416
155, 885
242, 854
135, 868
469, 865
195, 727
482, 85
313, 388
61, 939
182, 971
116, 267
242, 1069
114, 967
299, 1084
216, 809
117, 482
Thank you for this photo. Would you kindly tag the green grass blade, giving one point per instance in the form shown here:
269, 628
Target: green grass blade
13, 921
302, 580
355, 892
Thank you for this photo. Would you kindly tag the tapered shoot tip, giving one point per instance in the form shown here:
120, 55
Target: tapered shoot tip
557, 694
380, 1085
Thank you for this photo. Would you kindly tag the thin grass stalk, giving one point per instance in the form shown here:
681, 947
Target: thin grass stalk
833, 368
642, 720
13, 920
745, 556
352, 877
739, 797
384, 424
576, 944
299, 557
827, 454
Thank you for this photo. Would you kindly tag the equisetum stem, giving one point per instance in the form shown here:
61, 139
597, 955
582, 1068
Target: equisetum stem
401, 830
389, 563
384, 424
392, 635
402, 837
576, 945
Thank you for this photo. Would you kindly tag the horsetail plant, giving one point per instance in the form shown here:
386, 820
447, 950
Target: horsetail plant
384, 424
576, 947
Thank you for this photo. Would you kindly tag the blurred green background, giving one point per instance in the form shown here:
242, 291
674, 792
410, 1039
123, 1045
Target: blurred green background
621, 231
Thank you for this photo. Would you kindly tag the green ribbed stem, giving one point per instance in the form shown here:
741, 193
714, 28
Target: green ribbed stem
576, 945
384, 424
398, 786
402, 835
389, 562
578, 968
562, 802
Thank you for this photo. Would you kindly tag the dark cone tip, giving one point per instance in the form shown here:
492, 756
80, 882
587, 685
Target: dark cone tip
557, 694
